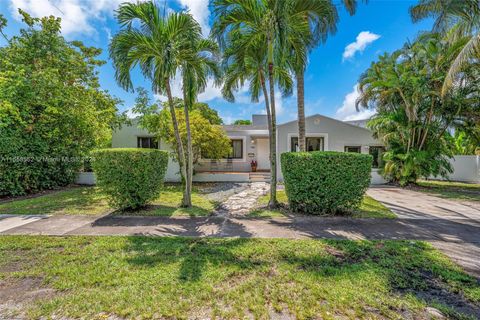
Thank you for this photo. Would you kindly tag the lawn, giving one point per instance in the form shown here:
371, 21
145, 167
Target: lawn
370, 208
147, 277
450, 190
90, 201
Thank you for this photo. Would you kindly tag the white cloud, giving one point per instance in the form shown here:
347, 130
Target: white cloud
348, 110
364, 38
132, 115
211, 92
77, 15
201, 13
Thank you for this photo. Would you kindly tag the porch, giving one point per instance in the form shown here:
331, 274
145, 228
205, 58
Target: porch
232, 176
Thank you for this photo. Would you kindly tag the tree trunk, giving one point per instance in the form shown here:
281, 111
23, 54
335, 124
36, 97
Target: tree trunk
187, 196
180, 152
301, 109
273, 141
267, 104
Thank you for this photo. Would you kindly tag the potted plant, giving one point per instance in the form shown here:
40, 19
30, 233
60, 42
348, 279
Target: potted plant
253, 164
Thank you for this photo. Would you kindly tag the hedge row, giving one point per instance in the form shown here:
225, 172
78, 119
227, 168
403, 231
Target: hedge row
130, 177
325, 181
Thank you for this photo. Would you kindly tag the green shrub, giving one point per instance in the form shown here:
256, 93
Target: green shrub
130, 177
325, 182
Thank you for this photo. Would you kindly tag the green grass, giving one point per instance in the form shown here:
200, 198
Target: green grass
73, 201
450, 190
148, 277
370, 208
90, 201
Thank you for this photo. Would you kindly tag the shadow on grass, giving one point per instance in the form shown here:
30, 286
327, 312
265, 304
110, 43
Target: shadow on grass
164, 211
409, 268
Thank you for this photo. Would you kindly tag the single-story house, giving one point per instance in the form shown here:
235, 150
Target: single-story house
250, 142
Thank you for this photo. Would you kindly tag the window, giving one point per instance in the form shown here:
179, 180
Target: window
237, 149
353, 149
147, 142
311, 144
376, 153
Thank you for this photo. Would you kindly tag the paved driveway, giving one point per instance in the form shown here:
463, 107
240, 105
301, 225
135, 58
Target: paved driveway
451, 226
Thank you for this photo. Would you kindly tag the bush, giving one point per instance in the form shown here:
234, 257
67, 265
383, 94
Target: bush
52, 109
130, 177
325, 182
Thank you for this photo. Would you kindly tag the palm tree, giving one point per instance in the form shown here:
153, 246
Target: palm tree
159, 45
195, 70
252, 24
460, 18
308, 23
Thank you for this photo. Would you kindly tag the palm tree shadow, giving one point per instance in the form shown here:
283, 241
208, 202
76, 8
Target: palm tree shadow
194, 254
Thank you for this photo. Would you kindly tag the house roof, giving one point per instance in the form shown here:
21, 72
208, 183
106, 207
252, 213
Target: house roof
244, 127
325, 117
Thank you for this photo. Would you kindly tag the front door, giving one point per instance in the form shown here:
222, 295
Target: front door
263, 154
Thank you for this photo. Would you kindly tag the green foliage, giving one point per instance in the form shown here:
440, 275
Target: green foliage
52, 110
242, 122
208, 138
413, 117
130, 177
325, 182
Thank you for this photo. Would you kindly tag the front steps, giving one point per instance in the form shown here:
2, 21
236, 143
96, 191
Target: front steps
259, 176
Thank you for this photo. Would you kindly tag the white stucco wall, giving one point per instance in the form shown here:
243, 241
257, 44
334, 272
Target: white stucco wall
126, 137
465, 169
337, 135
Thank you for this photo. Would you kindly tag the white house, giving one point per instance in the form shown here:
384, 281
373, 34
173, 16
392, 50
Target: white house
250, 142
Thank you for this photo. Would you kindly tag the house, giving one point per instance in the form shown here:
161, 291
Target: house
250, 142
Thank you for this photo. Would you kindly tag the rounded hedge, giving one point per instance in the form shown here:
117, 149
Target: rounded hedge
325, 181
130, 177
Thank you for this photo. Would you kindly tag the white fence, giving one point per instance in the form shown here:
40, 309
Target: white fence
465, 169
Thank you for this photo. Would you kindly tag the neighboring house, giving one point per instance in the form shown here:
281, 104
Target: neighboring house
250, 142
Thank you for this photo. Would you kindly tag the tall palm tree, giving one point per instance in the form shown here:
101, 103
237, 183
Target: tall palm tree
195, 71
460, 18
255, 23
308, 23
158, 44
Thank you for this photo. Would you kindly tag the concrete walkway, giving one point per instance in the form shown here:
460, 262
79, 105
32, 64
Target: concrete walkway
451, 226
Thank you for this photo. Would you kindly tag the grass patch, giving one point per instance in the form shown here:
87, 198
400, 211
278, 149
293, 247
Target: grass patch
71, 201
450, 190
90, 201
370, 208
148, 277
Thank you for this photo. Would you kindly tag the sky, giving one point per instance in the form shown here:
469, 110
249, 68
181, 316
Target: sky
331, 77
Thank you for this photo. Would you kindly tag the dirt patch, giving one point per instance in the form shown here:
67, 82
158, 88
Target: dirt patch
437, 292
16, 294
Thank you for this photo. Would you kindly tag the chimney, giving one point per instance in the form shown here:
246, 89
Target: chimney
259, 119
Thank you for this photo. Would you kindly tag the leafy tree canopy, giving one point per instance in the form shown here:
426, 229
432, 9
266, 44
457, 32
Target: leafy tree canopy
52, 109
208, 138
413, 117
242, 122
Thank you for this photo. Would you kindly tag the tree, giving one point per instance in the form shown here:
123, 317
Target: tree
196, 68
162, 45
308, 23
413, 117
457, 19
208, 138
52, 109
242, 122
249, 26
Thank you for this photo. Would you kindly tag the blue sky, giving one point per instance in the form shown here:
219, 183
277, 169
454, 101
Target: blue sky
332, 74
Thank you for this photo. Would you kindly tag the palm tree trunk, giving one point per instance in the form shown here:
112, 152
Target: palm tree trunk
180, 152
187, 196
273, 141
301, 109
267, 104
